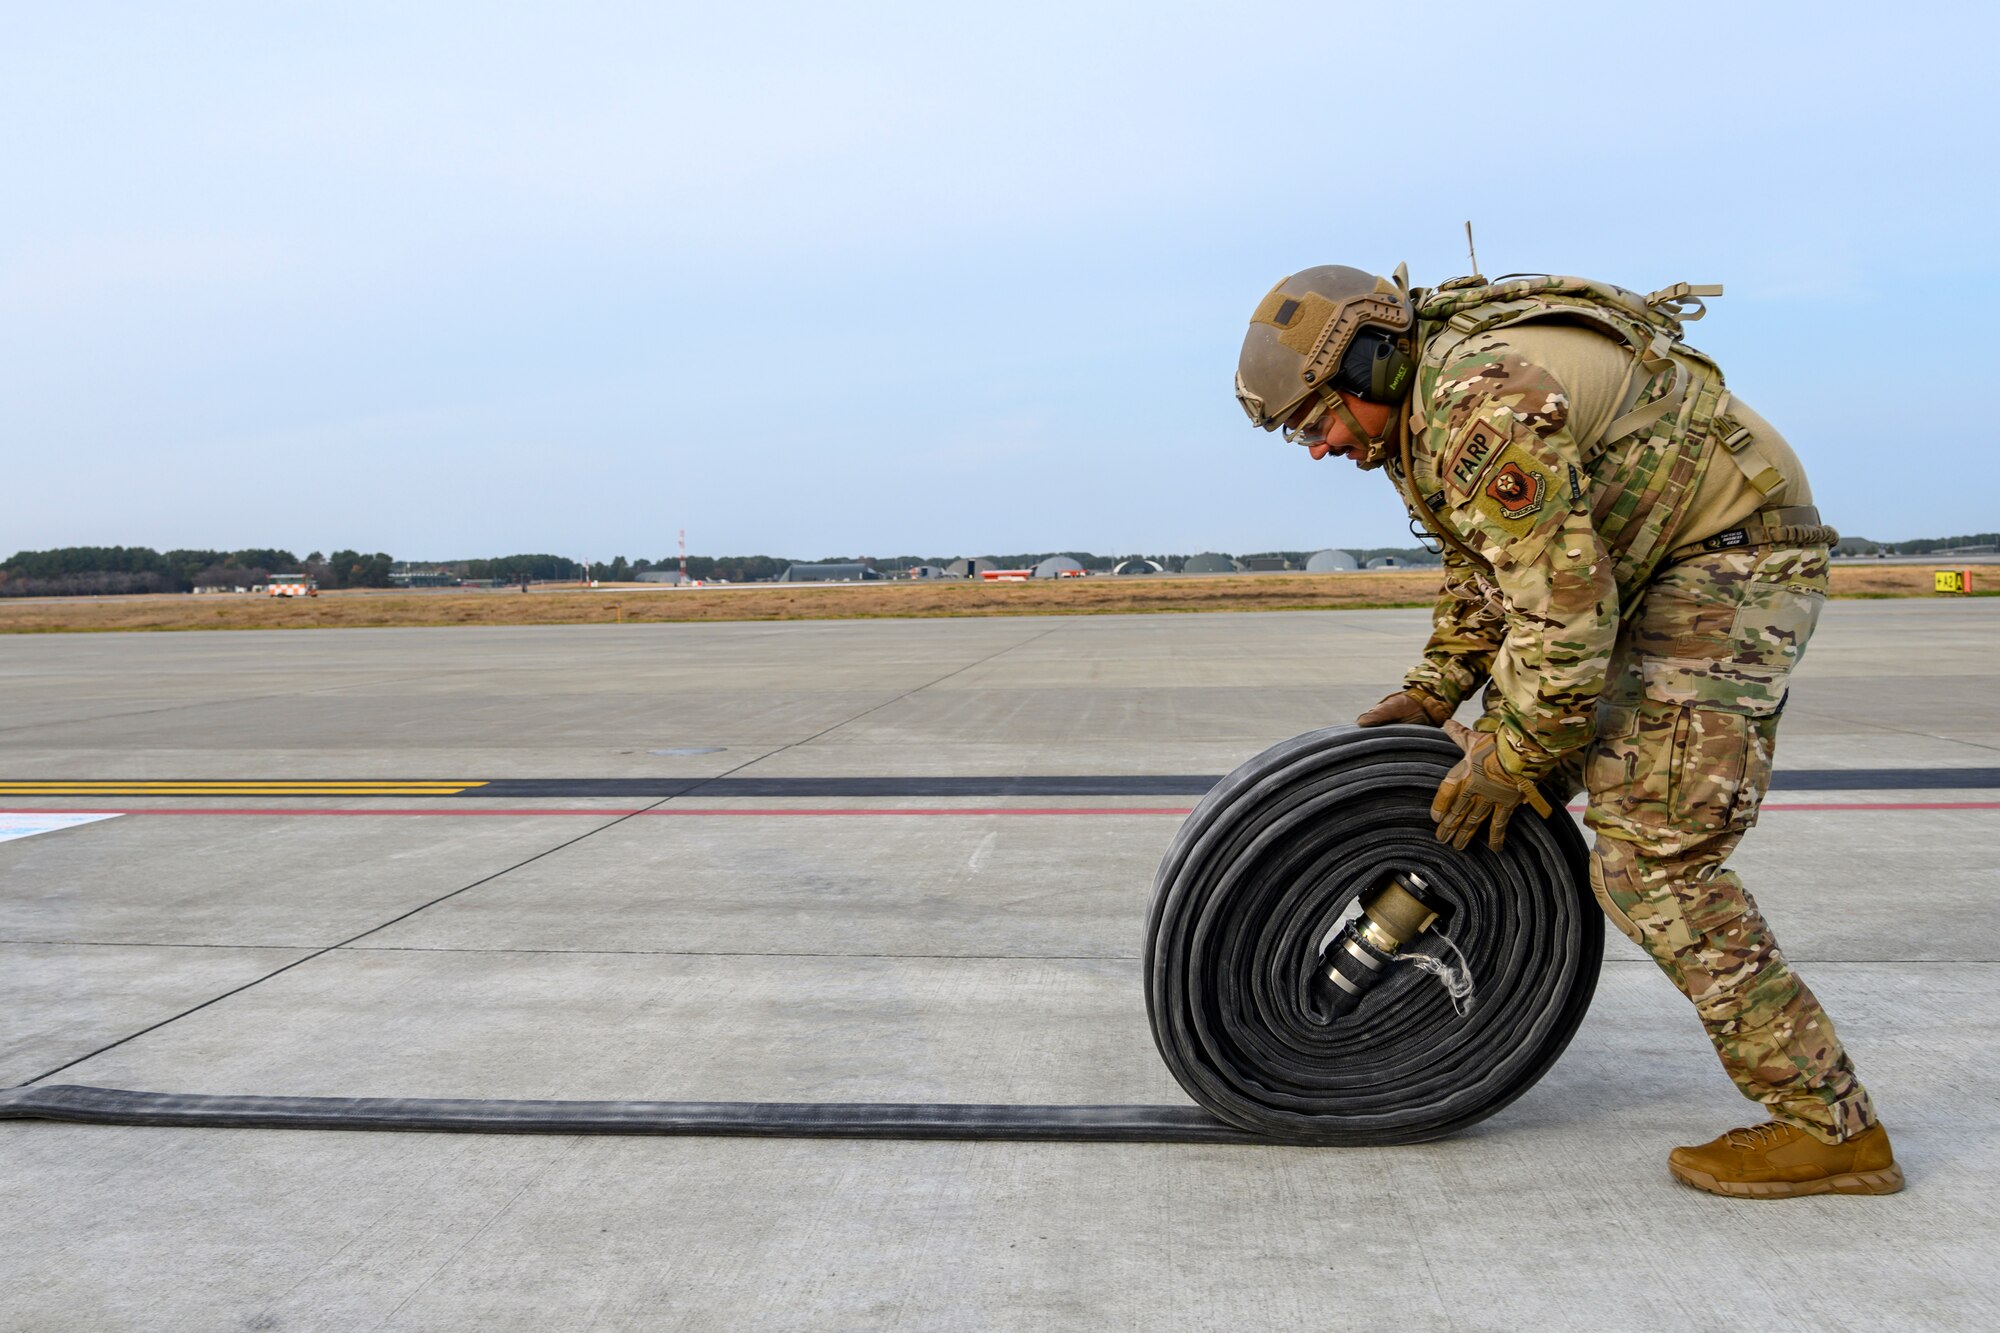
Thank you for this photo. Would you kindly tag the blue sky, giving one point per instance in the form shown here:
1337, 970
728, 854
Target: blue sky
458, 279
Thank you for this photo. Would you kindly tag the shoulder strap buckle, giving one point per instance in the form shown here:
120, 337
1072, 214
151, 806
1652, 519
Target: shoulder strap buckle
1683, 300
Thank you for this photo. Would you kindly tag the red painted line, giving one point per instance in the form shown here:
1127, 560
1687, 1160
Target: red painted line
705, 812
1890, 805
1769, 806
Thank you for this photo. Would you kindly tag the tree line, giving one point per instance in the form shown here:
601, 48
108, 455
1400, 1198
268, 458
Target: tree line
1922, 546
81, 571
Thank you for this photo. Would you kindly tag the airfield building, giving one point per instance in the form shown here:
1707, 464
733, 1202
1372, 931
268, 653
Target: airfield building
846, 571
1210, 562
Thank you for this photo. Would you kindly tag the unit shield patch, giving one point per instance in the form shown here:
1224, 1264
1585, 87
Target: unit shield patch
1518, 491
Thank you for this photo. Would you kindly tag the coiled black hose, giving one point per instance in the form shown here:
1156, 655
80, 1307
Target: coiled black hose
1259, 878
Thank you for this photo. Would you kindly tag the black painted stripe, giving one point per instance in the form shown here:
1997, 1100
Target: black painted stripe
1883, 779
1086, 785
1111, 784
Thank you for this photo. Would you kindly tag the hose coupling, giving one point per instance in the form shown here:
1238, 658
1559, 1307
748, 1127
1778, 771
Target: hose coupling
1359, 956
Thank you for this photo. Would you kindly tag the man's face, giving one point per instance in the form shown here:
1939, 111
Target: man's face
1326, 433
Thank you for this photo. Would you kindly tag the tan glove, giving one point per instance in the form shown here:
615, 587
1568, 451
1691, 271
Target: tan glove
1478, 788
1406, 706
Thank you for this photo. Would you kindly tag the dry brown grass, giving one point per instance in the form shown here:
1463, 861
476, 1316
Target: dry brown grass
645, 603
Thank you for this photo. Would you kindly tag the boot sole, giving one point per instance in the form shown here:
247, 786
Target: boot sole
1885, 1181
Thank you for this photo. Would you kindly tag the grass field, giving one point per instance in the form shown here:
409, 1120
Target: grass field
648, 603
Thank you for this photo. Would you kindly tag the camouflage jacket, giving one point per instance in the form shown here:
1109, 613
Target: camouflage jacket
1467, 625
1560, 535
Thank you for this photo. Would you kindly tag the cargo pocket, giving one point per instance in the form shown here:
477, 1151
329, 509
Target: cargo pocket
1612, 760
1771, 629
1625, 770
1665, 775
1722, 764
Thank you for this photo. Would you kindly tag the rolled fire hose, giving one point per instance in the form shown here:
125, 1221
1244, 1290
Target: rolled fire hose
1256, 886
1261, 871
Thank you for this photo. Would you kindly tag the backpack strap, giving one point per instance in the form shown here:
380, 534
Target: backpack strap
1744, 451
1638, 418
1636, 523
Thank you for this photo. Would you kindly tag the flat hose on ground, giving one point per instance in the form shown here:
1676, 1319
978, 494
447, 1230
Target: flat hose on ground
1259, 878
1259, 874
474, 1115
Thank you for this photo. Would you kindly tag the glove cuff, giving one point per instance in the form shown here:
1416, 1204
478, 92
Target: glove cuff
1435, 708
1522, 767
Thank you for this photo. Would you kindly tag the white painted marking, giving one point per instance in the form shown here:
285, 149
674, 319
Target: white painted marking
978, 857
27, 823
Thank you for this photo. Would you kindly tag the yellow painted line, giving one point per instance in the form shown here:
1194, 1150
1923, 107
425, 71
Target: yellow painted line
6, 790
231, 785
331, 789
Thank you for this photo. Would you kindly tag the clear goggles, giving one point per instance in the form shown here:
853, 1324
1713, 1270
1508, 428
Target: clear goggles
1294, 431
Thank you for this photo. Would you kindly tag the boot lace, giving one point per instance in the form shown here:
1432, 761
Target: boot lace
1767, 1135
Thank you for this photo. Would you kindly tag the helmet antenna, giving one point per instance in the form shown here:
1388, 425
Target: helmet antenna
1471, 253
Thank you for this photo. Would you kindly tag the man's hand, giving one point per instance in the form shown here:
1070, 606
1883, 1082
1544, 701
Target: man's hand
1478, 788
1406, 706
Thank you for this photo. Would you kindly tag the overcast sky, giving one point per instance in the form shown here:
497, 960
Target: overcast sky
461, 279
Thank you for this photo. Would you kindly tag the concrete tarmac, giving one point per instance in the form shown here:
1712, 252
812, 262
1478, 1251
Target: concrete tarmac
921, 948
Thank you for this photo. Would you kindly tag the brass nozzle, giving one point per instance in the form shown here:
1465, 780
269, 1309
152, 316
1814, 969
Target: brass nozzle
1396, 916
1349, 967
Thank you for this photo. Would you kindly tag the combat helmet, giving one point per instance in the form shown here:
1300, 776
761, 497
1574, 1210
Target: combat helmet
1327, 328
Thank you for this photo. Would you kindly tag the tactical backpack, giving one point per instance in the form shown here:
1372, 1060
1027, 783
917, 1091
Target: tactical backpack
1672, 394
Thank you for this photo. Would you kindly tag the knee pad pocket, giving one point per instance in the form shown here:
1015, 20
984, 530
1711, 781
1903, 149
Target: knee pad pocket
1600, 880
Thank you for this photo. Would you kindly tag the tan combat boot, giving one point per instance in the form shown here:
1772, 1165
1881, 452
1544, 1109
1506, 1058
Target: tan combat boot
1776, 1161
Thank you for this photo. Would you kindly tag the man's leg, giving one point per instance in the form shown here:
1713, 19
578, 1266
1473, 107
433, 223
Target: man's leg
1699, 924
1680, 765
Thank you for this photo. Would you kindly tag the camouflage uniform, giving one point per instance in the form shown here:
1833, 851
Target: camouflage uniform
1628, 662
1466, 627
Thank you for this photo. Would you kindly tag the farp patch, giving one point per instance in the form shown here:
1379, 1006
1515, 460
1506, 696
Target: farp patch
1517, 490
1477, 446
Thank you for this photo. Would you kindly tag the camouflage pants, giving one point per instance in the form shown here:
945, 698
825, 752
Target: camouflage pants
1680, 764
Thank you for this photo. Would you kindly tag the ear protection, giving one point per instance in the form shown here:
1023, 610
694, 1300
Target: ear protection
1375, 368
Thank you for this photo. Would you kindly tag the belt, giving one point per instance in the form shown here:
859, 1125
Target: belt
1792, 525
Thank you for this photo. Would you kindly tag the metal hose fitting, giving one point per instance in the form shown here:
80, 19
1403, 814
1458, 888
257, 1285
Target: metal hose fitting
1390, 920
